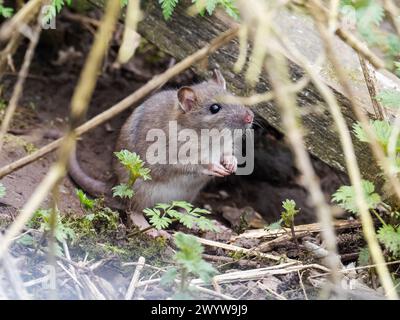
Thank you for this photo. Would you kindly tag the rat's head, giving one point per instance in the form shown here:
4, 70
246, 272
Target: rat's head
201, 107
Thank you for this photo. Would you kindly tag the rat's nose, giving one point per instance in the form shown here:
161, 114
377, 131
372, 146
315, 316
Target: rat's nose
248, 118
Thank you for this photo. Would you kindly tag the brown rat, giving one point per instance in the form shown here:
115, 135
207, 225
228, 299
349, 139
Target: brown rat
197, 107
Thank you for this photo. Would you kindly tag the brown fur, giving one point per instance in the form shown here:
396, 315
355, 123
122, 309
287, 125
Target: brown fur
174, 181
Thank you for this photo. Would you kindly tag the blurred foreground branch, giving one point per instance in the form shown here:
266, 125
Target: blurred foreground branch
79, 104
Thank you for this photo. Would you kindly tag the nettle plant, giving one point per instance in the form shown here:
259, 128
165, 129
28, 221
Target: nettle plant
136, 170
287, 218
189, 264
42, 221
167, 6
97, 221
369, 16
389, 232
204, 6
163, 214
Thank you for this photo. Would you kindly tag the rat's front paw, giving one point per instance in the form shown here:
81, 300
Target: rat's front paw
230, 163
216, 169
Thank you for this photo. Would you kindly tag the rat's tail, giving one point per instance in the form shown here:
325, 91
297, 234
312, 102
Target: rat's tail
90, 185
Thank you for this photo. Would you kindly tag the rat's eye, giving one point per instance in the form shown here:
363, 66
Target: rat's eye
214, 108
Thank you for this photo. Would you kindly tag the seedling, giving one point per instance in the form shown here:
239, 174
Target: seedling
41, 220
85, 202
287, 219
189, 264
136, 170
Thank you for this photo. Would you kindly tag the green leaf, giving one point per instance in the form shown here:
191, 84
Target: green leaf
275, 225
128, 158
189, 256
389, 98
390, 238
26, 240
207, 225
182, 204
290, 212
55, 8
169, 277
204, 270
345, 196
84, 200
162, 206
175, 214
370, 15
172, 212
2, 190
393, 43
42, 220
168, 7
123, 191
211, 5
6, 12
187, 220
230, 8
397, 66
156, 220
381, 128
200, 211
134, 165
364, 258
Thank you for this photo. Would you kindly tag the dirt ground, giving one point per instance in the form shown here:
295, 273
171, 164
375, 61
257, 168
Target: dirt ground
42, 114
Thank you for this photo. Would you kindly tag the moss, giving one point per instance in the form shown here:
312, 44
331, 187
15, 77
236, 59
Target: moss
20, 142
100, 234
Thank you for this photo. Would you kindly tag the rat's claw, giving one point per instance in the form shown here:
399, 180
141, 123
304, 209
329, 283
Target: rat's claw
230, 163
216, 169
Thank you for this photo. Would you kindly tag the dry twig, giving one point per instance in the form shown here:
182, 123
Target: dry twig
16, 95
129, 101
79, 106
135, 279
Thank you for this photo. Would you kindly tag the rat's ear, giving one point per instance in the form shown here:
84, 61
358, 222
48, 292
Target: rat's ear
218, 78
187, 98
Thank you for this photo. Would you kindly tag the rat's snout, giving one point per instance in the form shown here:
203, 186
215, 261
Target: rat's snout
248, 117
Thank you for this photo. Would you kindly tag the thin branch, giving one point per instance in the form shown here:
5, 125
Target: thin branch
79, 105
249, 252
366, 219
23, 16
346, 36
370, 82
394, 14
19, 86
126, 103
278, 70
8, 51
